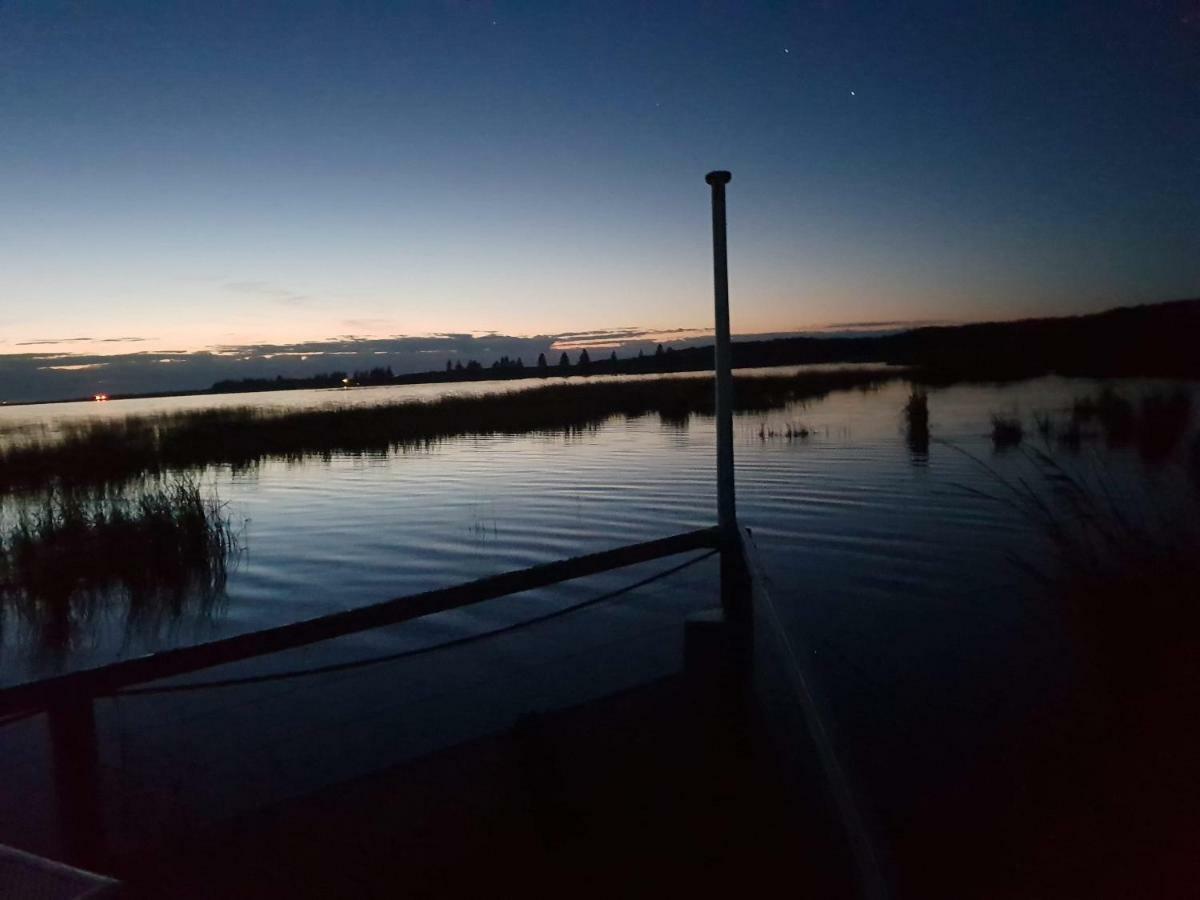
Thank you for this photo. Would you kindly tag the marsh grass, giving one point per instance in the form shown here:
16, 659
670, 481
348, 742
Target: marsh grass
1115, 414
1007, 431
1108, 759
114, 452
156, 554
1124, 567
916, 421
791, 431
916, 409
1156, 423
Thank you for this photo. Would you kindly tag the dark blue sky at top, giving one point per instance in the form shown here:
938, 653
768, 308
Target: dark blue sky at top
203, 174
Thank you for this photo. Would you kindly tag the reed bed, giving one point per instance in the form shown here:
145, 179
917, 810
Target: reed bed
114, 452
1124, 565
1007, 431
158, 553
1123, 584
916, 421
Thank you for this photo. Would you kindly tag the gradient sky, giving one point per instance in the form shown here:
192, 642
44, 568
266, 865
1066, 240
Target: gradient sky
212, 173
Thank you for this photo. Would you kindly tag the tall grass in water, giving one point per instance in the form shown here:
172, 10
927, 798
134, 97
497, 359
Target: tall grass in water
70, 556
1156, 423
1125, 535
112, 452
1007, 431
1111, 762
916, 422
1125, 570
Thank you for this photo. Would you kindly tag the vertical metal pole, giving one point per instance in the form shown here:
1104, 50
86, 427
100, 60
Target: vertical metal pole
76, 780
731, 562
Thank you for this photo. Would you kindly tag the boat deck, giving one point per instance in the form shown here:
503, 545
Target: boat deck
643, 791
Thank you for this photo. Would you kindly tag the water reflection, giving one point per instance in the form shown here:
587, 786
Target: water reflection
832, 477
916, 426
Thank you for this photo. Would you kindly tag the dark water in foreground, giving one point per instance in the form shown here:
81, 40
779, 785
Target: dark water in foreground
927, 641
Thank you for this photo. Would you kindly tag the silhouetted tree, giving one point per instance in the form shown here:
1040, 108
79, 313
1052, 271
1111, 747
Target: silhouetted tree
659, 351
377, 375
449, 366
613, 357
585, 362
564, 362
458, 366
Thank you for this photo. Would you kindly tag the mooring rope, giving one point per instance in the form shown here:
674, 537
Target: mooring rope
403, 654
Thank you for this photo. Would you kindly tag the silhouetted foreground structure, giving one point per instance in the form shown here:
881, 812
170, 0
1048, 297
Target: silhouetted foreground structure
686, 781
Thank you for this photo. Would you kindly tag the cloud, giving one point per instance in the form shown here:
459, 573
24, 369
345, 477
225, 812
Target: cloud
74, 367
898, 325
40, 341
82, 340
621, 337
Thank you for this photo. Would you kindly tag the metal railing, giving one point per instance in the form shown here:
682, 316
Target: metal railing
68, 699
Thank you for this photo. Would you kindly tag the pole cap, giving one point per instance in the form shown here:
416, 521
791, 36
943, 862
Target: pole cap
718, 177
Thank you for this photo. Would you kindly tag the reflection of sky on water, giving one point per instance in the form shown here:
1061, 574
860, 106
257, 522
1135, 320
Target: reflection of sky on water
855, 510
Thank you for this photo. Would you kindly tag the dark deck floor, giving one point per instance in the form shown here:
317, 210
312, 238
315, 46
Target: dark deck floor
642, 792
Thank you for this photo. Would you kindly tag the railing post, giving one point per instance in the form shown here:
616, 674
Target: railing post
733, 578
75, 758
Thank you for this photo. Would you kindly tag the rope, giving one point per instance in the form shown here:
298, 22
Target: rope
404, 654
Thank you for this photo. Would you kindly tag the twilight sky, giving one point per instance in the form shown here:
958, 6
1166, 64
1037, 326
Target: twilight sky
219, 173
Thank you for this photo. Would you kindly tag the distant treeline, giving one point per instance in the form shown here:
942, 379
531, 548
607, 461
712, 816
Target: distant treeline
1158, 339
664, 359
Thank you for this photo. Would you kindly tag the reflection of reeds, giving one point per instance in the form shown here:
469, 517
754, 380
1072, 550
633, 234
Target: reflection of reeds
916, 422
107, 452
1162, 422
792, 431
1006, 431
157, 555
1155, 424
1115, 414
1043, 422
916, 409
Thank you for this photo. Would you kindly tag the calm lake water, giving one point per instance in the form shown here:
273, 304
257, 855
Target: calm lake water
902, 582
851, 519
